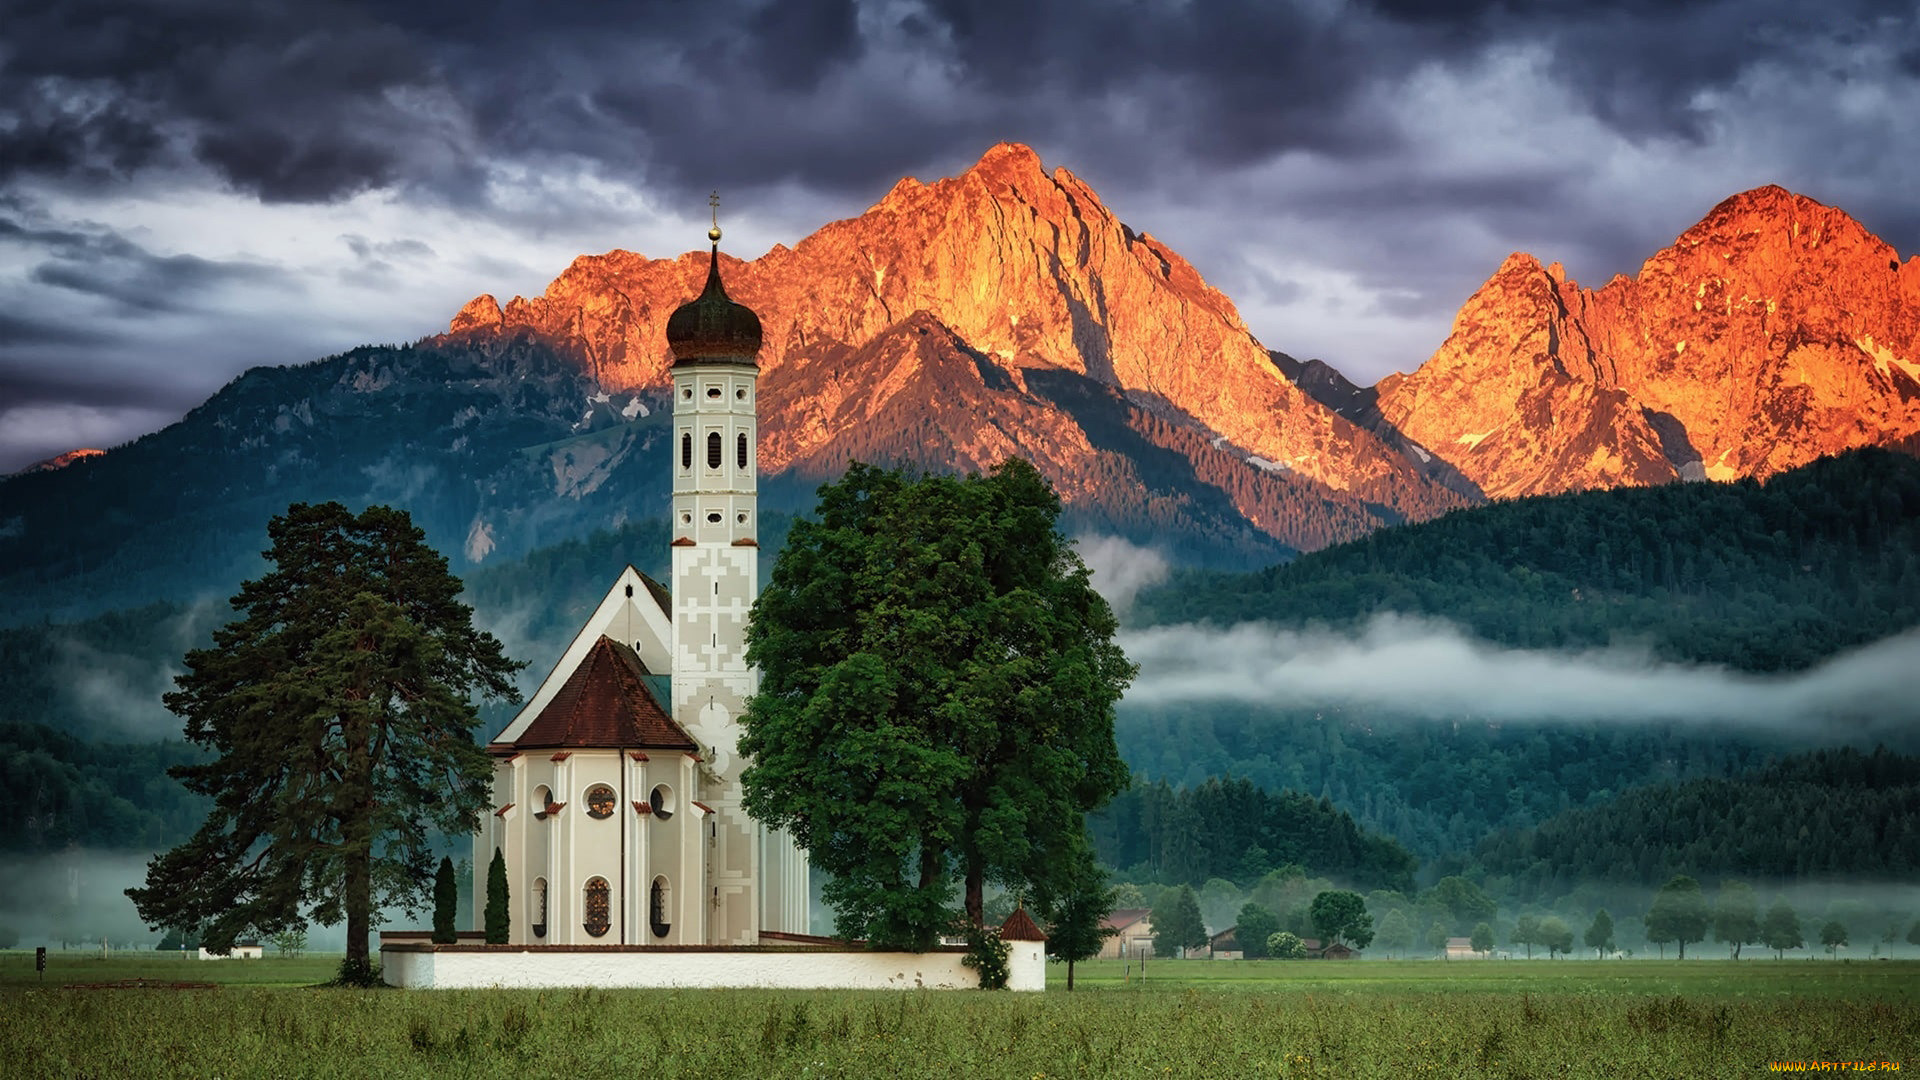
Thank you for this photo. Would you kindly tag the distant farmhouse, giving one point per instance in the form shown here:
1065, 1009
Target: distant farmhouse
1133, 934
242, 950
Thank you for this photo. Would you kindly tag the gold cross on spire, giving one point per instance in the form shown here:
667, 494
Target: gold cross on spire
713, 200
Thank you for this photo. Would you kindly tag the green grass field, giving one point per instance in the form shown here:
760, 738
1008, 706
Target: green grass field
1704, 1018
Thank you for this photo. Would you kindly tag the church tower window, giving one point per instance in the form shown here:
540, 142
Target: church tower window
599, 907
713, 449
743, 450
686, 451
600, 801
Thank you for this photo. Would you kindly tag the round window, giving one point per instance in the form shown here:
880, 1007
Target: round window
662, 802
741, 393
686, 394
600, 801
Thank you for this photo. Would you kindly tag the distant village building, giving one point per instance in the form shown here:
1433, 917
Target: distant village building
242, 950
616, 790
1133, 934
1459, 948
1225, 945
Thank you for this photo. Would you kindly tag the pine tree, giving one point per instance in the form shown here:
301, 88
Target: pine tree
499, 921
339, 708
446, 902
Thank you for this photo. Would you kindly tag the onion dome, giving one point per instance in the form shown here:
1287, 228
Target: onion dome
711, 327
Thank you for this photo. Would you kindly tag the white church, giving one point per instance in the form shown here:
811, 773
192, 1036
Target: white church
617, 787
617, 804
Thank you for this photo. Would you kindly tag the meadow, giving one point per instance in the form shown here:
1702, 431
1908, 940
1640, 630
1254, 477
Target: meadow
1572, 1018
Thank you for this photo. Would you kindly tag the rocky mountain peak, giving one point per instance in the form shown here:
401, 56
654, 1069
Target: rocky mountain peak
1774, 331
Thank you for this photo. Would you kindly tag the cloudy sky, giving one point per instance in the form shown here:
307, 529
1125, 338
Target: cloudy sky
188, 189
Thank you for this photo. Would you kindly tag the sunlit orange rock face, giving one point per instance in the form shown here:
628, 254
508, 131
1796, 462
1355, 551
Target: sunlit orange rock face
1773, 332
951, 322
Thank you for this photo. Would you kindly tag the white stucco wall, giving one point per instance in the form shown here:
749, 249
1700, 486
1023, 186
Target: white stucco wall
471, 968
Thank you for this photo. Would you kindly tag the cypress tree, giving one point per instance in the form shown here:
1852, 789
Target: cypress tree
497, 920
446, 900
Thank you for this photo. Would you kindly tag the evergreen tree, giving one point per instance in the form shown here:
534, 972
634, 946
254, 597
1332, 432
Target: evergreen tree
1395, 934
1679, 913
1482, 938
1736, 918
937, 689
1176, 922
339, 710
1599, 935
499, 925
1255, 926
1781, 930
446, 903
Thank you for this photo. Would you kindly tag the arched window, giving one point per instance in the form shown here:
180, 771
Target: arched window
660, 908
599, 905
600, 801
537, 907
542, 798
686, 450
743, 450
713, 449
662, 802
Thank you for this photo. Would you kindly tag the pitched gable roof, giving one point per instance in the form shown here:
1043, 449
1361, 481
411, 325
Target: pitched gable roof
1021, 927
605, 702
1125, 917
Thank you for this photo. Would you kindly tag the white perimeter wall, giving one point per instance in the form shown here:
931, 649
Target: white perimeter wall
454, 968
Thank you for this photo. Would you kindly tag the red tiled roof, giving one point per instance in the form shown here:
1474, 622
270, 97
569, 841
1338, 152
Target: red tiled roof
1021, 927
606, 703
1125, 917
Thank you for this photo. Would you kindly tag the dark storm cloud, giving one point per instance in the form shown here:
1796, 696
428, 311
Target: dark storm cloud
16, 330
311, 102
67, 384
103, 264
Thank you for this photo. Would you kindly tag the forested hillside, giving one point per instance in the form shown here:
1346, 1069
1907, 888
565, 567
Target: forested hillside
1828, 814
1758, 576
109, 796
1231, 828
1435, 787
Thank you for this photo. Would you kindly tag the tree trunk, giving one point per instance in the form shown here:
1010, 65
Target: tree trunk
976, 895
1683, 948
359, 902
1069, 976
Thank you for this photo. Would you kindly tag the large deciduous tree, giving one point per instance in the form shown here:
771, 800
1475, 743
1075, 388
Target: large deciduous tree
1340, 916
340, 708
1679, 913
1599, 935
1781, 930
1736, 918
937, 689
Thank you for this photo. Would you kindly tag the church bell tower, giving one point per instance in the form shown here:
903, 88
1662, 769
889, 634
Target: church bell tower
754, 875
